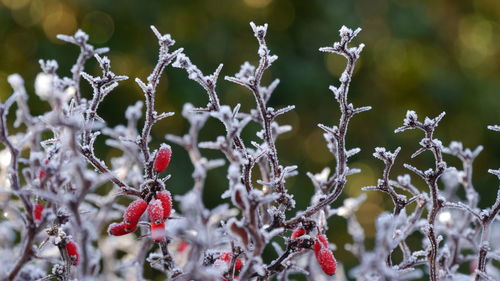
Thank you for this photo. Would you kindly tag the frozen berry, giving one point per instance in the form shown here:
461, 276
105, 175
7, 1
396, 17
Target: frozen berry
182, 246
321, 242
155, 214
166, 202
324, 256
38, 213
299, 231
162, 158
119, 229
134, 212
73, 252
326, 261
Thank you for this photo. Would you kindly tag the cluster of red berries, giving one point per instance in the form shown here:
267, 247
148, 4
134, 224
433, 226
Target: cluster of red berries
323, 255
158, 209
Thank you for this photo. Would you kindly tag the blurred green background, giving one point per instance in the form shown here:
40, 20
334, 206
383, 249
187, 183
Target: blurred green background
430, 56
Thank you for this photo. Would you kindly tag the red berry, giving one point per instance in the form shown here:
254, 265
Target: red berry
299, 231
166, 202
155, 214
155, 211
326, 260
42, 174
134, 212
324, 256
158, 232
182, 246
162, 158
119, 229
321, 242
227, 256
73, 252
38, 213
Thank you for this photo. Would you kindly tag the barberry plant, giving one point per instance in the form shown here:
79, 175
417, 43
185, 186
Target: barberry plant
54, 198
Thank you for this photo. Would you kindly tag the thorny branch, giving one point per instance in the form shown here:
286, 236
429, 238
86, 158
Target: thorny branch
30, 228
149, 89
431, 177
87, 51
336, 135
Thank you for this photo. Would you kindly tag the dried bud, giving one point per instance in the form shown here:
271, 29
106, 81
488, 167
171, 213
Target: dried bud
134, 212
162, 158
166, 202
73, 252
155, 213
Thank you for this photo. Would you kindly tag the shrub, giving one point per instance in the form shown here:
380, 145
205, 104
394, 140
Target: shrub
51, 173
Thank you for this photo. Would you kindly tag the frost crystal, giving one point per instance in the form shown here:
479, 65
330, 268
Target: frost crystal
411, 118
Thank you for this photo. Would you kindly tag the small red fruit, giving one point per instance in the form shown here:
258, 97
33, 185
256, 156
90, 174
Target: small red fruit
299, 231
158, 231
166, 202
321, 242
182, 246
38, 213
162, 158
326, 260
324, 256
134, 212
155, 213
227, 256
73, 252
119, 229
